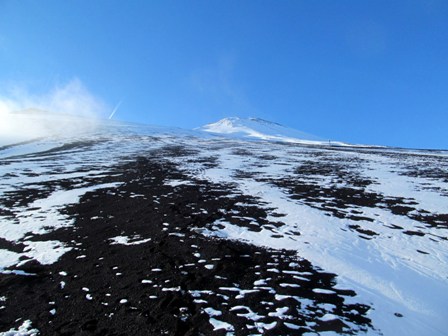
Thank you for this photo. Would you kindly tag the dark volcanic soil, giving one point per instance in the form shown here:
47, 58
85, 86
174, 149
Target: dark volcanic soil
178, 282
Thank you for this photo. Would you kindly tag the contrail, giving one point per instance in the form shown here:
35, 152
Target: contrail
115, 109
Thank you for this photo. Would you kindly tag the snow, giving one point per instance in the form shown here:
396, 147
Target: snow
256, 128
249, 314
217, 325
391, 181
212, 312
387, 271
171, 289
125, 240
279, 312
292, 326
41, 216
175, 183
24, 330
323, 291
45, 252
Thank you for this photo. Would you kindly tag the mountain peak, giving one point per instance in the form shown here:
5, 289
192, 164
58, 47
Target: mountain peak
239, 120
257, 128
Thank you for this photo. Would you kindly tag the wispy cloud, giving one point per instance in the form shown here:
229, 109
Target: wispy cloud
367, 39
71, 98
217, 84
64, 109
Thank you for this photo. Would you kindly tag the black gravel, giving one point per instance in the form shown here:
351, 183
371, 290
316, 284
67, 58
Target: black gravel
165, 285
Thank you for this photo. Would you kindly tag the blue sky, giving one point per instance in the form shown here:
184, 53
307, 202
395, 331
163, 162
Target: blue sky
371, 72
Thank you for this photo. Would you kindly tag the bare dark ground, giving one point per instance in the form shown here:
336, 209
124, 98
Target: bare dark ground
165, 285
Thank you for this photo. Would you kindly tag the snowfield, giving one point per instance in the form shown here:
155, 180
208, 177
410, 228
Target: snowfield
183, 231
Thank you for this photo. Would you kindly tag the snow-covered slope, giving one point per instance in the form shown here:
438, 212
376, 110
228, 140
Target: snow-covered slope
171, 231
256, 128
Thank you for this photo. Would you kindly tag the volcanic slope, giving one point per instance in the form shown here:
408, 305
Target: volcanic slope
147, 231
259, 129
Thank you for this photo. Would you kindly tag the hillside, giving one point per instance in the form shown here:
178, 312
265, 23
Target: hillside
143, 230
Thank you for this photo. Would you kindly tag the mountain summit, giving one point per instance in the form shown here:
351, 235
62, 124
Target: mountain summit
256, 128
